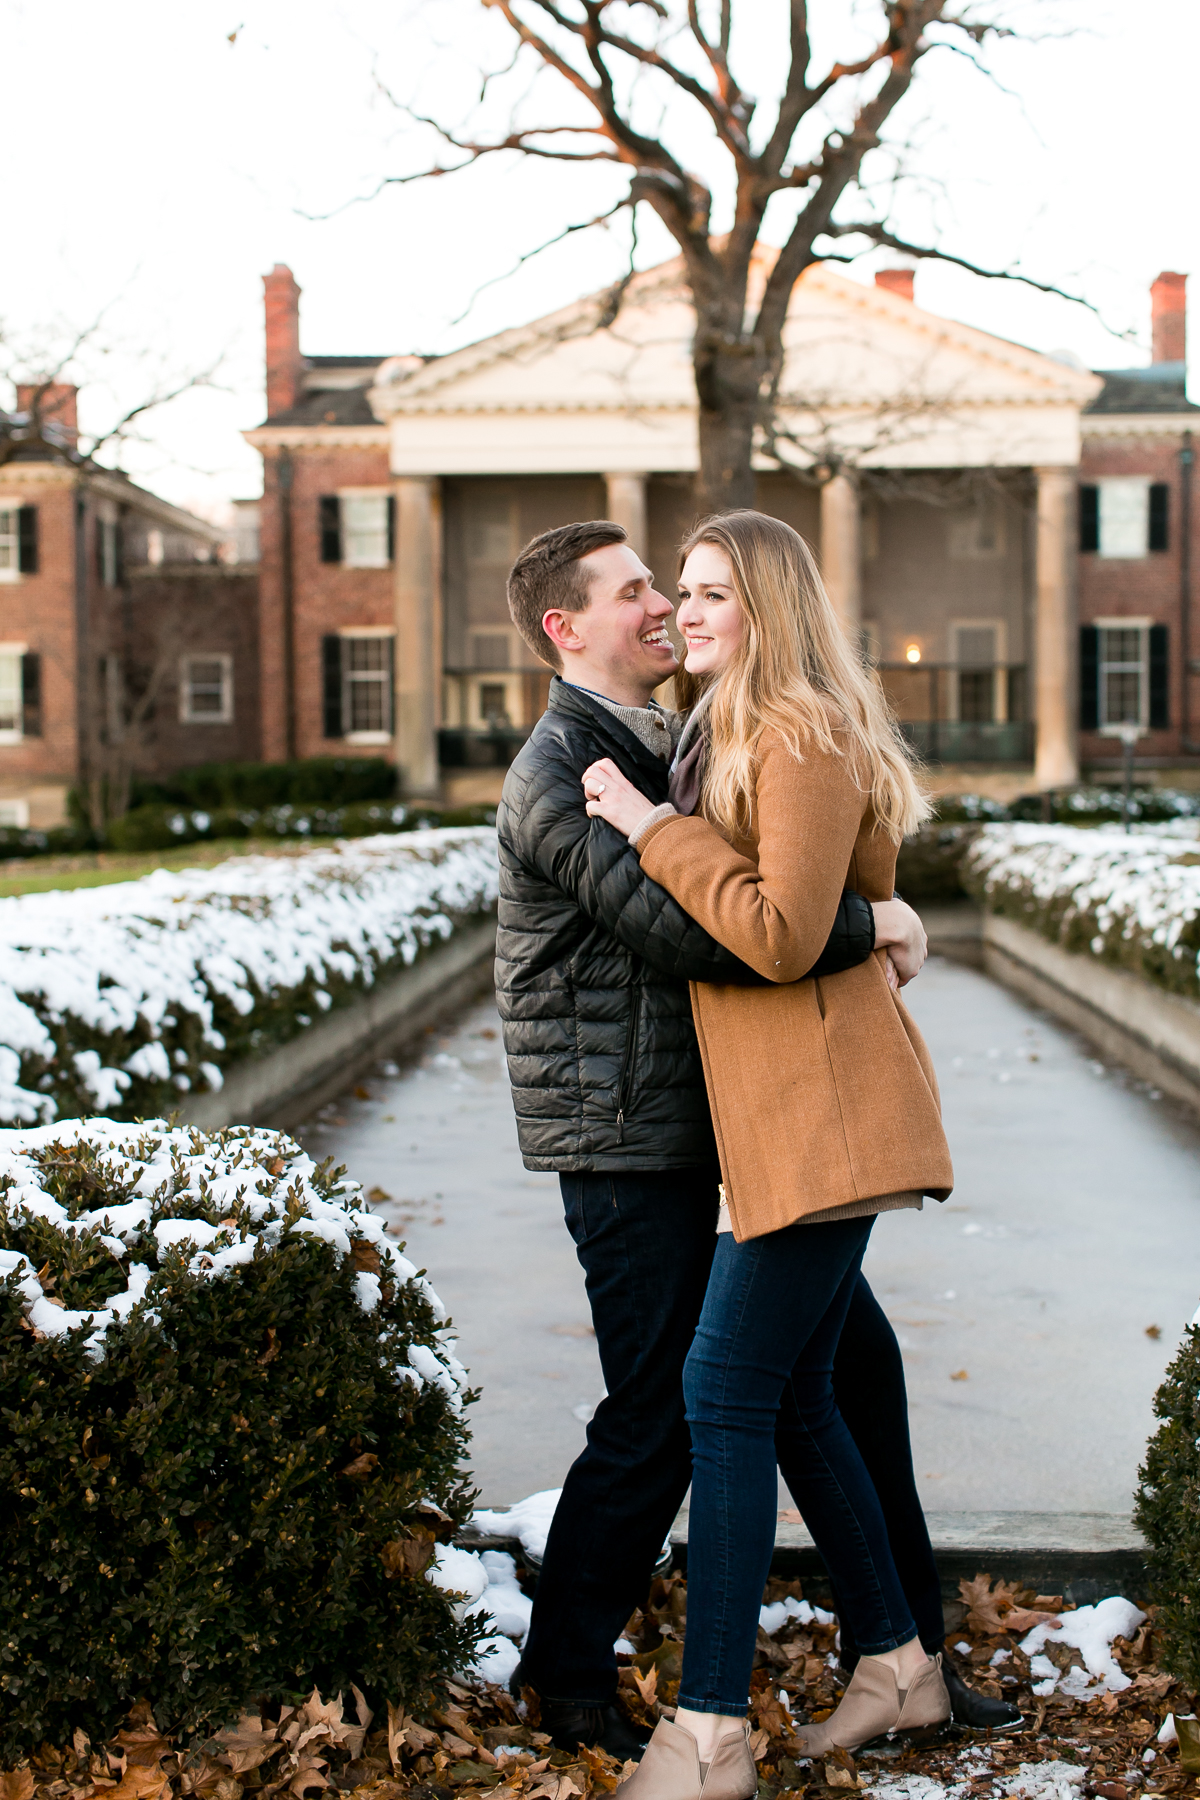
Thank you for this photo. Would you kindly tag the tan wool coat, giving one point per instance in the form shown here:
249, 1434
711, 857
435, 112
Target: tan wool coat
822, 1092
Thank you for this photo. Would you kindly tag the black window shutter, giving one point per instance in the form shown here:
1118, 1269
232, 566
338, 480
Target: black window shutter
27, 540
391, 527
331, 668
1089, 518
1089, 677
31, 694
119, 553
99, 525
1160, 501
331, 529
1160, 675
391, 687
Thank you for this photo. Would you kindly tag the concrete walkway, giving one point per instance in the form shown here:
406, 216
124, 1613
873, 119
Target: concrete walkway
1023, 1304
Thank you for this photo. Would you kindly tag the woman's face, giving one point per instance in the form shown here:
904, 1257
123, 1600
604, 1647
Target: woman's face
709, 616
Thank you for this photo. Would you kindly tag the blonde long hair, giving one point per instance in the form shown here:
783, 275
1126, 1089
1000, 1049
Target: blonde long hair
795, 673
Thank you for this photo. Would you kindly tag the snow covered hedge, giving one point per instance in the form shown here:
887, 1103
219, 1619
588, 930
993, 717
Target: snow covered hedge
120, 999
231, 1424
1132, 900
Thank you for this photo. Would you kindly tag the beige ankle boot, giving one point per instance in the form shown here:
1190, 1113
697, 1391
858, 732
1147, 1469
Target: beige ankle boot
671, 1768
874, 1706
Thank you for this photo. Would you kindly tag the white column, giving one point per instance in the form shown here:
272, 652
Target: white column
841, 550
626, 503
418, 631
1057, 760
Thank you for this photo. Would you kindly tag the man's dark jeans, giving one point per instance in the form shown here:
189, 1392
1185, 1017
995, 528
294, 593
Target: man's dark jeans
646, 1242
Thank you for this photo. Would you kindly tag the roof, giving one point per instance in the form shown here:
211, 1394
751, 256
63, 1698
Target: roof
345, 362
329, 406
1157, 388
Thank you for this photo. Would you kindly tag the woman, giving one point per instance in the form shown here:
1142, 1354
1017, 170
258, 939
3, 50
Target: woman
826, 1112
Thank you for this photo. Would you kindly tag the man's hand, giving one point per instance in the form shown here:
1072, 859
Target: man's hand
609, 796
898, 929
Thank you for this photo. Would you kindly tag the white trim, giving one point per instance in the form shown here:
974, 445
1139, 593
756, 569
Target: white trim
1138, 424
186, 715
12, 653
14, 649
367, 737
365, 631
1142, 627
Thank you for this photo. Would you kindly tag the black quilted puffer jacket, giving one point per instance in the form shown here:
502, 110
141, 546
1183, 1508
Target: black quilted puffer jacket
593, 961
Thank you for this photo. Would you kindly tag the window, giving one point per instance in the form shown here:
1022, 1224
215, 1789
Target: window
206, 690
1124, 669
1124, 517
358, 684
357, 528
491, 650
977, 651
977, 533
493, 703
12, 710
109, 551
18, 540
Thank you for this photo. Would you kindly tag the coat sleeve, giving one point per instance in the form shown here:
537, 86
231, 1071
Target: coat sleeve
776, 913
597, 869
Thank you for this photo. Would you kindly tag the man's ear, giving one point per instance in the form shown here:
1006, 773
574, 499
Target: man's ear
559, 627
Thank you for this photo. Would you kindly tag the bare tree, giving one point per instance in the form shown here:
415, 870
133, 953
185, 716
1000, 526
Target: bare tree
43, 374
737, 351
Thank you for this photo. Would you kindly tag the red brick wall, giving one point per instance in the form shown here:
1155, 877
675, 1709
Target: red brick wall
327, 597
1143, 587
39, 610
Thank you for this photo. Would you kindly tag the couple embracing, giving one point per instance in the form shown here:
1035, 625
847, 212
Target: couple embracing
698, 969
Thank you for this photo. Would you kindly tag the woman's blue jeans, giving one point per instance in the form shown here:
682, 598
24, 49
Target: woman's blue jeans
763, 1358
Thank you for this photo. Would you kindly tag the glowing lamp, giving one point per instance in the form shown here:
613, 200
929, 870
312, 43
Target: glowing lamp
913, 653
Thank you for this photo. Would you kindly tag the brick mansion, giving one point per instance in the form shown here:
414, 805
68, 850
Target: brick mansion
1013, 537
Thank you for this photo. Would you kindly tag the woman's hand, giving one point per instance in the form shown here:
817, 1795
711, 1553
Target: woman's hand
609, 796
899, 931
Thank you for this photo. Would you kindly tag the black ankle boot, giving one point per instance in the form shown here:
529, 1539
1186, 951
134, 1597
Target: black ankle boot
979, 1712
599, 1727
569, 1723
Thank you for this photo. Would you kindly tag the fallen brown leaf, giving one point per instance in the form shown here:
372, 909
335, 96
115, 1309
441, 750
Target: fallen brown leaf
647, 1684
248, 1745
16, 1784
364, 1255
991, 1611
141, 1784
408, 1556
361, 1467
960, 1375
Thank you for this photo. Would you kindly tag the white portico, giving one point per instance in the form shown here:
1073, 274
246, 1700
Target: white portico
936, 476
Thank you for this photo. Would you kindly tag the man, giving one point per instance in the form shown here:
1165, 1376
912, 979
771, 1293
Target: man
592, 965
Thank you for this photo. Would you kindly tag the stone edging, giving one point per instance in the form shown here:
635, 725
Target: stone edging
1083, 1556
283, 1086
1154, 1033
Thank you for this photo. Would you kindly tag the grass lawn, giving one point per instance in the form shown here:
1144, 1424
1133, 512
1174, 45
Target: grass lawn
99, 868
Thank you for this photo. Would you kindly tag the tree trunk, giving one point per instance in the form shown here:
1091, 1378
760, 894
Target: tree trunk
729, 371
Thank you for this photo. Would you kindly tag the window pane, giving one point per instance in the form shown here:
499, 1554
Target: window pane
976, 696
366, 653
10, 694
1124, 517
493, 707
1122, 646
1122, 696
367, 696
364, 531
8, 540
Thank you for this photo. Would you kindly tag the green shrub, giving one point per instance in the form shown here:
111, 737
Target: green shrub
225, 1486
1104, 806
54, 840
164, 827
1167, 1511
309, 781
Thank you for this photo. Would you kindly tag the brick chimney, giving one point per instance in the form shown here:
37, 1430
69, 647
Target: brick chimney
284, 361
896, 281
57, 406
1168, 309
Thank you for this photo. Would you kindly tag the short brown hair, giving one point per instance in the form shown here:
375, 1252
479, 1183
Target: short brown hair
547, 575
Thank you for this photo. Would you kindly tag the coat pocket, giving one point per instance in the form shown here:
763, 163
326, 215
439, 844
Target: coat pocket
628, 1061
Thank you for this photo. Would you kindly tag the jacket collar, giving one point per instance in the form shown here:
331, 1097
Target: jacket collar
575, 703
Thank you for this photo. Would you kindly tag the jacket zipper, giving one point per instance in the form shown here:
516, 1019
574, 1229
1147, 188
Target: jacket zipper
626, 1076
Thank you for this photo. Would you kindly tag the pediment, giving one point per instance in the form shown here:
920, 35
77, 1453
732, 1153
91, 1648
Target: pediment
848, 347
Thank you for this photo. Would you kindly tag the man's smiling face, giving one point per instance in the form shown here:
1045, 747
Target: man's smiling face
618, 644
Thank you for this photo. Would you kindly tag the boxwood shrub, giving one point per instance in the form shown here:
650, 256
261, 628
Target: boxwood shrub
1167, 1511
164, 827
231, 1430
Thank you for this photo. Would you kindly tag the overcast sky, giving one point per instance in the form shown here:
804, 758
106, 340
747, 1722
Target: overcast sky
163, 168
